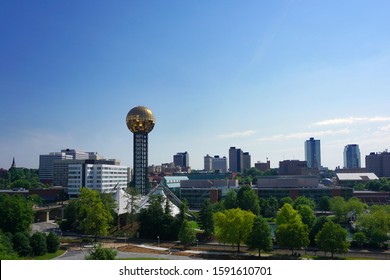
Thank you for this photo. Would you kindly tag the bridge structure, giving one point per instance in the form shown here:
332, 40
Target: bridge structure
49, 212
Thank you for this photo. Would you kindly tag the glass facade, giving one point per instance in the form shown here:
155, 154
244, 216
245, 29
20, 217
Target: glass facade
352, 156
313, 153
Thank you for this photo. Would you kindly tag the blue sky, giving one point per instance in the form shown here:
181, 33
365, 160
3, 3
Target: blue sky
260, 75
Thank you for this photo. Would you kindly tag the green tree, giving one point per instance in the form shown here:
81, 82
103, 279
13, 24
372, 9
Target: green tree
187, 235
287, 214
70, 220
338, 208
233, 226
303, 200
6, 251
291, 232
100, 253
183, 211
354, 207
375, 224
260, 237
110, 206
21, 244
16, 213
263, 206
359, 238
285, 200
38, 244
332, 238
154, 222
315, 229
307, 214
93, 215
346, 210
324, 204
206, 218
247, 199
52, 242
230, 201
21, 184
272, 207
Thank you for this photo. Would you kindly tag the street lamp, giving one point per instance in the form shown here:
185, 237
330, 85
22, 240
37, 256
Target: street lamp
158, 241
197, 247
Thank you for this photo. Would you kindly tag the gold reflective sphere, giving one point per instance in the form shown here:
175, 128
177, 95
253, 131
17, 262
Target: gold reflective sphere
140, 120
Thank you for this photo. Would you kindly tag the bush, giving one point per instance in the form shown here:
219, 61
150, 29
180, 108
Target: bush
21, 244
38, 244
100, 253
52, 242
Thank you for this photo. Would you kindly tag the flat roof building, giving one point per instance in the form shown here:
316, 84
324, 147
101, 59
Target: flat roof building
379, 163
313, 153
103, 178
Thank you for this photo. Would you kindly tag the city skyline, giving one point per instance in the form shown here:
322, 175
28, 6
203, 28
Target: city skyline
263, 76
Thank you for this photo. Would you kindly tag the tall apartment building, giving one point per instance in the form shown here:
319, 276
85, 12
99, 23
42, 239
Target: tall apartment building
103, 178
379, 163
236, 163
352, 156
181, 159
313, 153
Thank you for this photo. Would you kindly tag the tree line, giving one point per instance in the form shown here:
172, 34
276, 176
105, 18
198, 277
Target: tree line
16, 240
20, 178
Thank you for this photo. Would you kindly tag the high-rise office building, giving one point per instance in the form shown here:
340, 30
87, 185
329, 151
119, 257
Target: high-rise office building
104, 178
140, 121
235, 160
352, 156
182, 160
313, 153
46, 163
47, 170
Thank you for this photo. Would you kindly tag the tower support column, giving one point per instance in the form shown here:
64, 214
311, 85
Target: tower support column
140, 160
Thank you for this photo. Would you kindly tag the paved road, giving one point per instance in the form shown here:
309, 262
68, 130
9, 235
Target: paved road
43, 226
80, 255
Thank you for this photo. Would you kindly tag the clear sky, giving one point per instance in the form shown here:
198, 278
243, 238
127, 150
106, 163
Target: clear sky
260, 75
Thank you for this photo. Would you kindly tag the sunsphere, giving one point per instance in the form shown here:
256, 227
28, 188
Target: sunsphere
140, 119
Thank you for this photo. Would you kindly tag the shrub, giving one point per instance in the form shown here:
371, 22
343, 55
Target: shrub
100, 253
38, 244
21, 244
52, 242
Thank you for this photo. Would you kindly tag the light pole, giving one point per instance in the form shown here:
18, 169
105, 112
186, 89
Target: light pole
197, 247
158, 241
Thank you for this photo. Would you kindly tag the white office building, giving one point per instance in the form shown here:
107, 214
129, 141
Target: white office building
103, 178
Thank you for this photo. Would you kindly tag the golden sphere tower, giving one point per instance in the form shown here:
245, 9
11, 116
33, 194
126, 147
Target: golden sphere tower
140, 121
